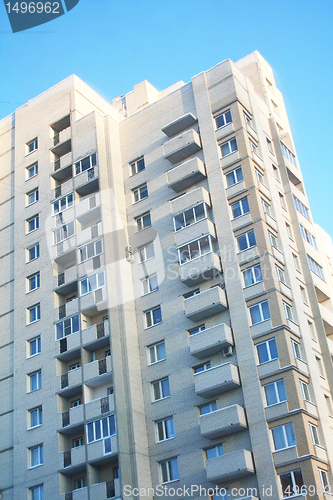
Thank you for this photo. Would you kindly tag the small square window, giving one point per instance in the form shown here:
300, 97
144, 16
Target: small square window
137, 166
33, 252
234, 176
32, 171
143, 221
32, 196
33, 313
165, 429
33, 282
169, 470
223, 119
32, 145
32, 223
140, 193
229, 147
267, 351
275, 392
149, 284
259, 312
147, 252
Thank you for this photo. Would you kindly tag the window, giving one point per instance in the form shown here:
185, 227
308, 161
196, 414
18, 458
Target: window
161, 389
36, 492
32, 145
169, 470
33, 252
146, 252
143, 221
308, 236
32, 223
324, 481
140, 193
296, 349
273, 240
229, 147
64, 232
137, 166
280, 274
316, 268
202, 368
291, 483
275, 392
248, 120
259, 312
35, 381
276, 173
33, 313
223, 119
153, 317
246, 240
197, 329
266, 207
234, 176
190, 294
260, 177
194, 249
33, 281
282, 201
296, 262
32, 170
156, 352
35, 417
314, 434
36, 455
288, 311
92, 250
190, 216
270, 145
77, 442
32, 196
320, 367
241, 207
283, 436
328, 404
79, 483
252, 275
288, 154
85, 164
214, 451
149, 284
76, 402
165, 429
67, 327
102, 428
222, 494
34, 346
305, 391
301, 208
74, 366
92, 283
289, 231
208, 408
63, 203
267, 351
253, 147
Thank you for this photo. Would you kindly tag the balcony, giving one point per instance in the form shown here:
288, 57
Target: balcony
187, 200
70, 383
224, 131
286, 456
271, 222
182, 146
69, 420
61, 142
276, 411
93, 302
98, 372
96, 451
66, 282
223, 422
80, 494
261, 328
327, 317
278, 255
230, 466
253, 291
89, 233
205, 304
87, 182
96, 336
69, 347
89, 266
62, 189
321, 288
210, 341
99, 407
229, 160
89, 209
263, 189
62, 252
177, 126
247, 255
106, 490
185, 175
235, 189
73, 460
195, 231
240, 222
200, 269
216, 380
63, 168
285, 290
67, 309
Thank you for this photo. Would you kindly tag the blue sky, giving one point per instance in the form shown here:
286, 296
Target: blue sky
112, 45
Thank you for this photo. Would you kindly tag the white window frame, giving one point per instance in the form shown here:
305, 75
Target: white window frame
288, 153
32, 168
273, 240
193, 212
288, 311
270, 146
314, 434
32, 196
92, 282
142, 221
69, 202
325, 485
295, 488
154, 354
166, 467
197, 329
70, 321
211, 406
159, 384
187, 248
202, 367
253, 147
140, 193
32, 145
266, 207
39, 489
248, 120
280, 275
93, 245
148, 285
40, 458
227, 118
285, 436
38, 410
243, 205
276, 390
260, 306
268, 350
316, 268
78, 164
305, 391
232, 147
247, 240
301, 208
234, 176
35, 220
282, 201
36, 308
37, 342
150, 314
33, 281
289, 231
143, 252
97, 425
307, 236
163, 429
217, 451
296, 349
79, 483
64, 232
35, 246
38, 375
253, 275
276, 173
135, 166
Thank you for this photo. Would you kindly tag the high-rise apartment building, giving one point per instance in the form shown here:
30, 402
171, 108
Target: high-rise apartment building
166, 312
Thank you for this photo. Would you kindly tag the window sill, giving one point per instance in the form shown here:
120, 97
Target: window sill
173, 481
240, 251
143, 261
162, 441
34, 427
176, 231
32, 203
155, 363
249, 286
33, 355
29, 291
30, 392
32, 177
149, 293
142, 199
161, 399
286, 448
32, 260
33, 322
34, 466
195, 258
32, 231
140, 230
152, 326
30, 152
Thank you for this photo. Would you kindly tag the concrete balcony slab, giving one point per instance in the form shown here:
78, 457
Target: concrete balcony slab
200, 269
223, 422
230, 466
210, 341
216, 380
182, 146
205, 304
186, 174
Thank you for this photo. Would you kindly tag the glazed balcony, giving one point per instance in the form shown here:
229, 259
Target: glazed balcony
229, 159
89, 209
216, 380
182, 146
223, 422
229, 467
327, 317
98, 372
210, 341
206, 304
89, 233
70, 383
68, 309
89, 266
87, 182
66, 282
186, 174
94, 301
96, 450
99, 407
242, 221
106, 490
70, 420
62, 189
187, 200
195, 232
62, 252
73, 460
180, 124
63, 168
202, 268
96, 336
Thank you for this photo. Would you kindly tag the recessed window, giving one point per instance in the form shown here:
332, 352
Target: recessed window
102, 428
324, 481
252, 275
288, 154
165, 429
214, 451
234, 176
137, 166
32, 170
223, 119
63, 203
273, 240
275, 392
92, 283
74, 366
291, 483
190, 294
149, 284
32, 196
246, 240
208, 408
35, 381
161, 389
253, 147
147, 252
77, 442
301, 208
35, 346
266, 207
79, 483
241, 207
276, 173
316, 268
328, 404
308, 237
140, 193
289, 231
190, 216
33, 313
259, 312
33, 282
36, 492
270, 145
314, 434
32, 223
153, 317
296, 349
76, 402
280, 274
283, 436
320, 366
169, 470
260, 177
202, 367
32, 145
64, 232
229, 147
267, 351
33, 252
197, 329
35, 417
156, 352
248, 120
195, 249
85, 164
305, 391
67, 327
296, 262
288, 311
143, 221
91, 250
